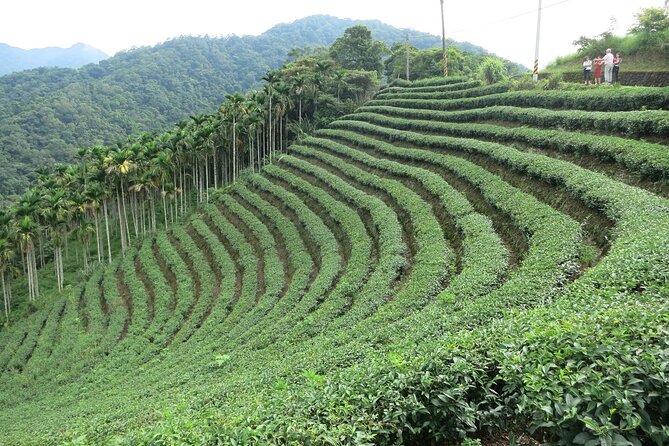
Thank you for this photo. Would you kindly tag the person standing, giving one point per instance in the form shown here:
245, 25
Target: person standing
617, 60
587, 70
599, 63
608, 66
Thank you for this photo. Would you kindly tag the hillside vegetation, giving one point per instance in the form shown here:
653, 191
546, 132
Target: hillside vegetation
46, 114
644, 48
451, 262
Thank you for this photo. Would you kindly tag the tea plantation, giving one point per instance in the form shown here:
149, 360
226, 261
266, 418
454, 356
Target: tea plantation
450, 263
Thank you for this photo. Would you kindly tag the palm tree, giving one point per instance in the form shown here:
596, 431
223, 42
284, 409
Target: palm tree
26, 230
271, 78
340, 81
119, 164
234, 107
254, 121
257, 104
283, 104
58, 211
324, 66
97, 196
298, 85
6, 259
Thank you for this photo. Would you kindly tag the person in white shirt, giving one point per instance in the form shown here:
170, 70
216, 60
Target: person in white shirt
587, 70
608, 66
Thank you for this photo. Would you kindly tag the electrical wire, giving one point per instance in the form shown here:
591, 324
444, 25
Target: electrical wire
494, 22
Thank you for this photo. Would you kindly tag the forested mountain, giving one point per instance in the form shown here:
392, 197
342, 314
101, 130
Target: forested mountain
16, 59
48, 112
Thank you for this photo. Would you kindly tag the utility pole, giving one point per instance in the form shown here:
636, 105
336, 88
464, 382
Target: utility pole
408, 57
443, 39
535, 73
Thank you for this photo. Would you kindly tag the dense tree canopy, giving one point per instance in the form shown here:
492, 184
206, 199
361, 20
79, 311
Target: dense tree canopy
128, 189
651, 20
46, 113
428, 62
356, 50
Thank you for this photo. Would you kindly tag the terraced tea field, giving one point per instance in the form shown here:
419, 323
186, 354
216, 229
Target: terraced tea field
449, 261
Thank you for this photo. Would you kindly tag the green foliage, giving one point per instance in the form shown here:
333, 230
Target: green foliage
46, 114
624, 377
644, 47
644, 158
634, 124
356, 50
220, 360
554, 81
618, 99
650, 20
364, 287
429, 63
492, 71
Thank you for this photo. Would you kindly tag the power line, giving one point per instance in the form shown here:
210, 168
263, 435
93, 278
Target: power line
494, 22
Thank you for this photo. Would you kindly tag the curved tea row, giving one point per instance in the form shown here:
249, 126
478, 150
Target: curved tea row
413, 238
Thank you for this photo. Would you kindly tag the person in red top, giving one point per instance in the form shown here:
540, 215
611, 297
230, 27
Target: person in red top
599, 64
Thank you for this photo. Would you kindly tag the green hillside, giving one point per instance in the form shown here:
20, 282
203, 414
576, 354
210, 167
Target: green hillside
47, 113
450, 263
645, 47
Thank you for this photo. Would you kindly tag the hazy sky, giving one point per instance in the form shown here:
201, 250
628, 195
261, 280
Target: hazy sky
506, 28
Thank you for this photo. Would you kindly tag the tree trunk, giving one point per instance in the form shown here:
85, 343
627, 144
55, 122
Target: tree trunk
206, 177
164, 207
104, 208
57, 253
269, 132
5, 296
134, 212
97, 237
121, 223
234, 150
215, 170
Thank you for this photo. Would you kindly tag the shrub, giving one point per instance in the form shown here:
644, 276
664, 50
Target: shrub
492, 71
554, 81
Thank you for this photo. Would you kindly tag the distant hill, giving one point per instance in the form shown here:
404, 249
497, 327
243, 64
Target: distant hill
14, 59
46, 113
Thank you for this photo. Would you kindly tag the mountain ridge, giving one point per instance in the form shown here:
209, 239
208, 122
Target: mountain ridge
47, 113
14, 59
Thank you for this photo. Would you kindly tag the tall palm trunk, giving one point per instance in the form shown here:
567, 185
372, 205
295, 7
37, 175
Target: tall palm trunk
206, 169
164, 205
31, 264
234, 149
104, 209
215, 170
269, 132
134, 213
251, 155
124, 242
5, 296
98, 239
58, 264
